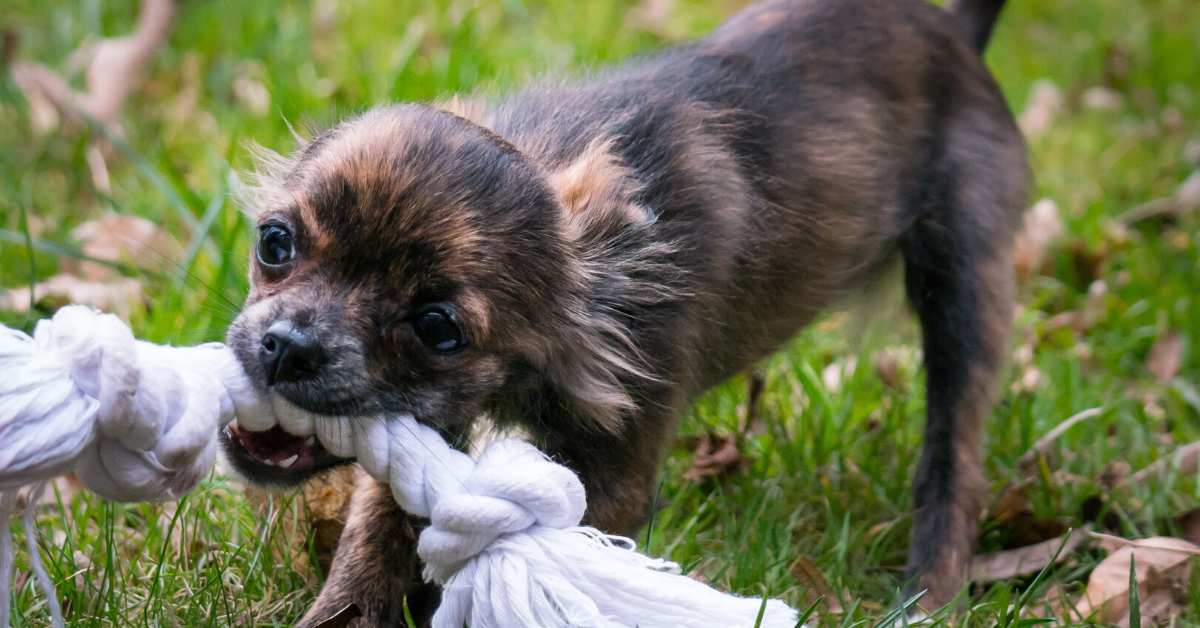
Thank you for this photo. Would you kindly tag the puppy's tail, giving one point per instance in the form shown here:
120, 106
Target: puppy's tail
978, 17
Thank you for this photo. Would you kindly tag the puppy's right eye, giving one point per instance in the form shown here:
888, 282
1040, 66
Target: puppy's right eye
438, 330
275, 246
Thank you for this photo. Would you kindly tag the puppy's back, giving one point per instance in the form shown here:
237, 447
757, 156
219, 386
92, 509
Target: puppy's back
775, 154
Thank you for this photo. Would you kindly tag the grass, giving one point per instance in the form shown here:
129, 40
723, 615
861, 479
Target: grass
831, 476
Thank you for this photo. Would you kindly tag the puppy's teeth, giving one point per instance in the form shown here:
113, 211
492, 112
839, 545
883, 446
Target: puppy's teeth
287, 464
310, 441
267, 462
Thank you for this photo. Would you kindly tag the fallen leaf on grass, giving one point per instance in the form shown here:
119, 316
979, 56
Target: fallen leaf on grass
1013, 501
114, 296
1028, 462
1114, 474
1165, 357
1188, 192
654, 16
1162, 565
716, 456
328, 501
1185, 199
1188, 524
111, 238
1044, 104
1012, 524
1041, 226
1184, 459
1026, 560
837, 372
895, 366
116, 66
1074, 319
816, 586
1102, 98
118, 237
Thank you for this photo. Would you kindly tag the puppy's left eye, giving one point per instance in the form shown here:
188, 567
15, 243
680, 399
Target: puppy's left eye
438, 329
275, 246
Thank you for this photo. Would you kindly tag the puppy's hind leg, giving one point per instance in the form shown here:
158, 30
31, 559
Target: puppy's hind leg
958, 275
376, 565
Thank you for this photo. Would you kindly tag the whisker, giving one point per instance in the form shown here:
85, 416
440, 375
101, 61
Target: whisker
166, 261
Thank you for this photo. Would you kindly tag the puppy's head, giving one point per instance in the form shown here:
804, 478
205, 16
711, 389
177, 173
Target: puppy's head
408, 261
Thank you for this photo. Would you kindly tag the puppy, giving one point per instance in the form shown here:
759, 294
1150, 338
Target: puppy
584, 259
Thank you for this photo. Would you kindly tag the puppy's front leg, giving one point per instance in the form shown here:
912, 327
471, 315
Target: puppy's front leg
617, 470
376, 564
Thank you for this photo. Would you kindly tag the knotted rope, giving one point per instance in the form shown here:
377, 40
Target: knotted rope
138, 421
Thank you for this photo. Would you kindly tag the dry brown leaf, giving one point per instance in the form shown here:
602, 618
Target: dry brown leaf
43, 114
1025, 529
886, 525
328, 501
816, 586
1156, 207
1024, 560
715, 457
1188, 524
248, 88
1012, 524
1160, 564
895, 366
114, 296
837, 372
1041, 225
655, 16
1165, 357
1184, 459
1102, 98
1044, 104
1028, 462
119, 237
112, 238
1114, 474
116, 67
1077, 321
1013, 501
1188, 192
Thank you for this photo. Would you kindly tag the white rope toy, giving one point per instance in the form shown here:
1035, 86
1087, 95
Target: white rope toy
138, 421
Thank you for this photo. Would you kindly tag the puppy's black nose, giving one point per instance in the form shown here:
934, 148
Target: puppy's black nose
289, 355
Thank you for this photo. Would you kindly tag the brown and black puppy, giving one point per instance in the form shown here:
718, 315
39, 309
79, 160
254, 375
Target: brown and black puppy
583, 259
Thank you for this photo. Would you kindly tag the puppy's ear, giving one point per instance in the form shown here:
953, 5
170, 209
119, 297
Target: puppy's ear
596, 193
596, 359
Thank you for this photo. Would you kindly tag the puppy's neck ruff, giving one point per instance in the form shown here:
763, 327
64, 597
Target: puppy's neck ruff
139, 421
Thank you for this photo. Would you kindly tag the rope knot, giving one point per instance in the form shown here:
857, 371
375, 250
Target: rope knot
512, 488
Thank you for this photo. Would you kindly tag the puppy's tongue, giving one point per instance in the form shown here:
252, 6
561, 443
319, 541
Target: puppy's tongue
276, 447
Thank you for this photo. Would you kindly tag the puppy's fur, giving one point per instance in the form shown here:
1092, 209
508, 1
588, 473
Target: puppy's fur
614, 247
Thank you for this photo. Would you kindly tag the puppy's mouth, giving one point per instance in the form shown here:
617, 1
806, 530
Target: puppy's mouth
275, 457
